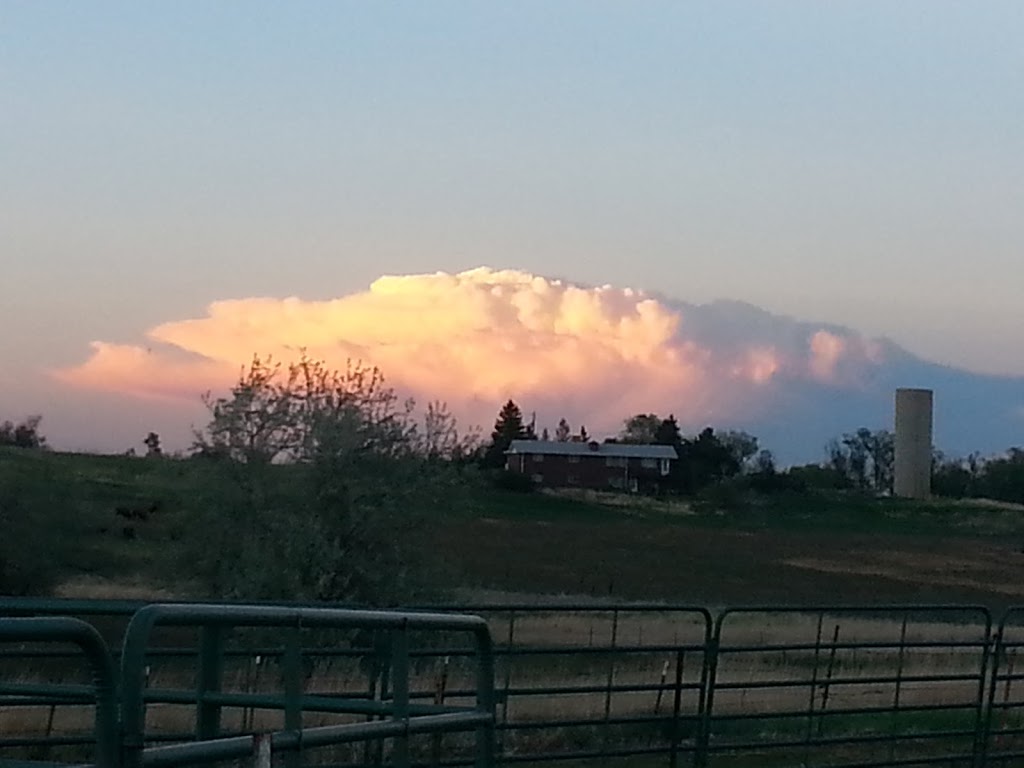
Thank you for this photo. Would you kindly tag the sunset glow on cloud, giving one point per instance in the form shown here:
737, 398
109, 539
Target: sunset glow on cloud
479, 337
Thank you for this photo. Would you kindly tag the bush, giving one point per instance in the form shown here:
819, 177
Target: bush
37, 524
814, 476
23, 435
776, 482
512, 481
724, 496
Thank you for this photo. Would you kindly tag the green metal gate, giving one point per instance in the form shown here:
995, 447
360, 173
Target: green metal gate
585, 684
101, 694
855, 686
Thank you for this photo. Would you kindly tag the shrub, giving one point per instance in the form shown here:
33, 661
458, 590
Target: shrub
512, 481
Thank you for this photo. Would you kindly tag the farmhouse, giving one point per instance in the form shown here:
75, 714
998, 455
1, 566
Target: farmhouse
591, 465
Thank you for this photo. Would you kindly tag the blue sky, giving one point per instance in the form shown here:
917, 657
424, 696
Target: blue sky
857, 162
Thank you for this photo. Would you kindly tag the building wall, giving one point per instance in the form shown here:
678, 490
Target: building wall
587, 471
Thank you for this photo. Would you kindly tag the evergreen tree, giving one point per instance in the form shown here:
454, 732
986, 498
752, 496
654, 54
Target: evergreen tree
508, 427
563, 431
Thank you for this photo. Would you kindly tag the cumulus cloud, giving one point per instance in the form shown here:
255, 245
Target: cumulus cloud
476, 338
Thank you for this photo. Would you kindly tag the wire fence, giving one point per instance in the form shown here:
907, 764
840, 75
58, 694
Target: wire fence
588, 684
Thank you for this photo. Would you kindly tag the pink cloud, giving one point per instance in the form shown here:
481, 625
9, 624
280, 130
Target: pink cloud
476, 338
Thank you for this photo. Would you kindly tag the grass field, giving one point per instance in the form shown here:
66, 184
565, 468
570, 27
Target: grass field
786, 548
504, 546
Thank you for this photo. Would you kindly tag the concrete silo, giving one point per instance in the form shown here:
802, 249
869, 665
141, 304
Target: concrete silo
913, 460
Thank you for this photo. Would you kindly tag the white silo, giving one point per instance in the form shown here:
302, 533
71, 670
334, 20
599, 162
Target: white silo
912, 476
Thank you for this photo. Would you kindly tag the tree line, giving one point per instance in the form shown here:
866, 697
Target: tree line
858, 461
273, 415
273, 409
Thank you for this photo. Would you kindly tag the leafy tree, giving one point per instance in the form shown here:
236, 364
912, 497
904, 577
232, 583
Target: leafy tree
952, 479
668, 432
999, 477
440, 439
865, 458
507, 427
1003, 478
584, 437
544, 435
742, 445
152, 443
818, 477
23, 435
323, 480
705, 460
765, 463
641, 428
276, 413
563, 431
838, 461
957, 478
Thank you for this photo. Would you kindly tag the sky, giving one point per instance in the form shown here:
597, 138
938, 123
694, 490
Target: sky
848, 163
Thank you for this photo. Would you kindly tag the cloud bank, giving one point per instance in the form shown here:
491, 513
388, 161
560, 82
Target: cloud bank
476, 338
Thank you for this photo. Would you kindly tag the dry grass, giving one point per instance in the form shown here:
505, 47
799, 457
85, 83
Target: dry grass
629, 505
100, 588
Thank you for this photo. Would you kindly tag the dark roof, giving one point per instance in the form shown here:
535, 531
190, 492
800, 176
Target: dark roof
614, 450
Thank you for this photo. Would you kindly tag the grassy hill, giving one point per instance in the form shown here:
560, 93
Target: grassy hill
108, 525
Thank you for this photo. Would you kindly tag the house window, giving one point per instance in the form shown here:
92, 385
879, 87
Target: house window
664, 466
574, 459
617, 482
537, 457
537, 479
634, 485
614, 461
649, 463
572, 480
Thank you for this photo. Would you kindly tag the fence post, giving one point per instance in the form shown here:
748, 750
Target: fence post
440, 689
898, 689
709, 675
293, 687
485, 740
986, 703
261, 742
611, 680
828, 679
509, 643
677, 702
400, 686
211, 672
812, 701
